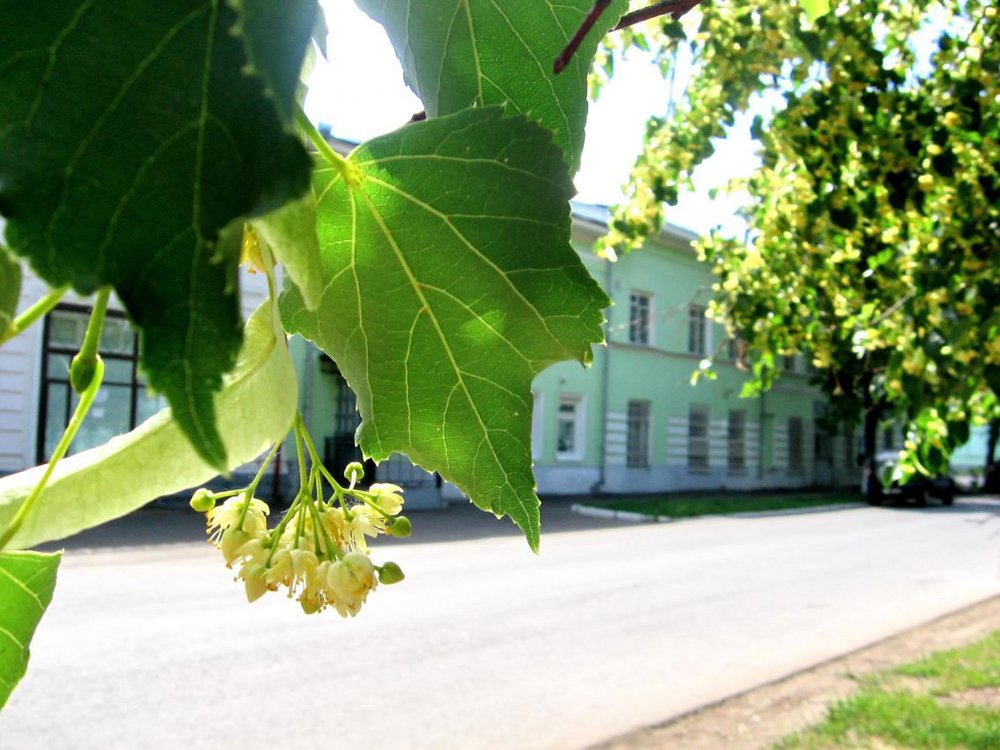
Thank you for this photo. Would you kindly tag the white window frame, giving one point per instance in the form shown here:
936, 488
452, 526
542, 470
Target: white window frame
579, 422
644, 328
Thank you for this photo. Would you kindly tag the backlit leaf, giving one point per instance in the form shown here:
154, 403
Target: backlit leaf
443, 299
132, 144
27, 580
457, 54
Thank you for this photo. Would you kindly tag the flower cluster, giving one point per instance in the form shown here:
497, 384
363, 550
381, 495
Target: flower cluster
318, 551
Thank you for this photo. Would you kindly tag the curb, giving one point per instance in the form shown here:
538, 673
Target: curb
633, 517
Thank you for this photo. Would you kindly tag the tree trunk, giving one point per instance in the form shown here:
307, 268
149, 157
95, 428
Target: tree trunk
873, 482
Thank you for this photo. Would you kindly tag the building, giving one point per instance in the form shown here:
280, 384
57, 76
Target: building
631, 423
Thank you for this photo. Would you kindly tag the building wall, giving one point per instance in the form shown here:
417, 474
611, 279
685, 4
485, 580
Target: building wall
658, 372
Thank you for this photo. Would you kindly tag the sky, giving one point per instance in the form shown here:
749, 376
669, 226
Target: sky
360, 94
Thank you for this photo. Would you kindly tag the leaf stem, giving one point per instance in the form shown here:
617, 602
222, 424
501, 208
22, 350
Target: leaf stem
33, 313
86, 399
314, 455
325, 150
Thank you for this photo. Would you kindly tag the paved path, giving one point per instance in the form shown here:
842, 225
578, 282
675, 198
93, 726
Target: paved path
612, 627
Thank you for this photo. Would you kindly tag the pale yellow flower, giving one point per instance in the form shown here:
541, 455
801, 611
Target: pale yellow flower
388, 497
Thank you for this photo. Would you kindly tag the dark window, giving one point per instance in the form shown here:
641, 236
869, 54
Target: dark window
637, 436
123, 400
737, 442
795, 464
640, 309
696, 329
698, 438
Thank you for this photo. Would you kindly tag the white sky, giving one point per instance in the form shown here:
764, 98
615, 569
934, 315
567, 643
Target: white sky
360, 93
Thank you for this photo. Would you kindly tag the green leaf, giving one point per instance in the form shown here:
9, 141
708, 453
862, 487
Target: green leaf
444, 300
10, 290
456, 54
271, 30
256, 406
27, 580
290, 233
815, 8
132, 144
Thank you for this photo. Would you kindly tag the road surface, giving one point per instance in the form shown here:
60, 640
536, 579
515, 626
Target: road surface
612, 627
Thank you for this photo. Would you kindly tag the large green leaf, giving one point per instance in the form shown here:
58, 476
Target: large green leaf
27, 580
450, 283
133, 139
10, 290
456, 54
256, 406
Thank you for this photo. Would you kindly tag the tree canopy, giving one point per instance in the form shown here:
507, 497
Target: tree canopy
873, 239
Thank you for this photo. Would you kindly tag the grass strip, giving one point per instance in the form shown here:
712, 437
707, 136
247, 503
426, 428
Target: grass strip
939, 711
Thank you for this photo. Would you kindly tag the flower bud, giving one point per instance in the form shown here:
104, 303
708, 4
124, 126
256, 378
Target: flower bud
390, 573
354, 472
81, 372
202, 500
400, 527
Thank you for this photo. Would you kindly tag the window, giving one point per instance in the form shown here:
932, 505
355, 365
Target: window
795, 444
789, 363
737, 442
569, 428
698, 438
696, 329
637, 436
737, 349
640, 318
122, 401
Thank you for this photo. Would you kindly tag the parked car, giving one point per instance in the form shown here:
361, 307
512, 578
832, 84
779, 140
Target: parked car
880, 487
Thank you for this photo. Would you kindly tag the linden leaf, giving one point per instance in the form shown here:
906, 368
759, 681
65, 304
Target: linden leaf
457, 54
256, 406
27, 580
444, 297
133, 143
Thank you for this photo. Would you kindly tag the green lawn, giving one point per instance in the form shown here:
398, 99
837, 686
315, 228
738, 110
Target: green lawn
950, 699
708, 504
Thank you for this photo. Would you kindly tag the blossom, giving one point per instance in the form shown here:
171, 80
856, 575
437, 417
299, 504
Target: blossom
388, 497
223, 517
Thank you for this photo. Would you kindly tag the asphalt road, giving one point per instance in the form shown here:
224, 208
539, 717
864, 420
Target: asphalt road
614, 626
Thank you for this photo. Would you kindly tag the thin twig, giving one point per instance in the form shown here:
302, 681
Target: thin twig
676, 8
574, 44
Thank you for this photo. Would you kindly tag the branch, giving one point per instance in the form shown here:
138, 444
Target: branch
676, 8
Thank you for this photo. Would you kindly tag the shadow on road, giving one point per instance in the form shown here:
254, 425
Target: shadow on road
457, 522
